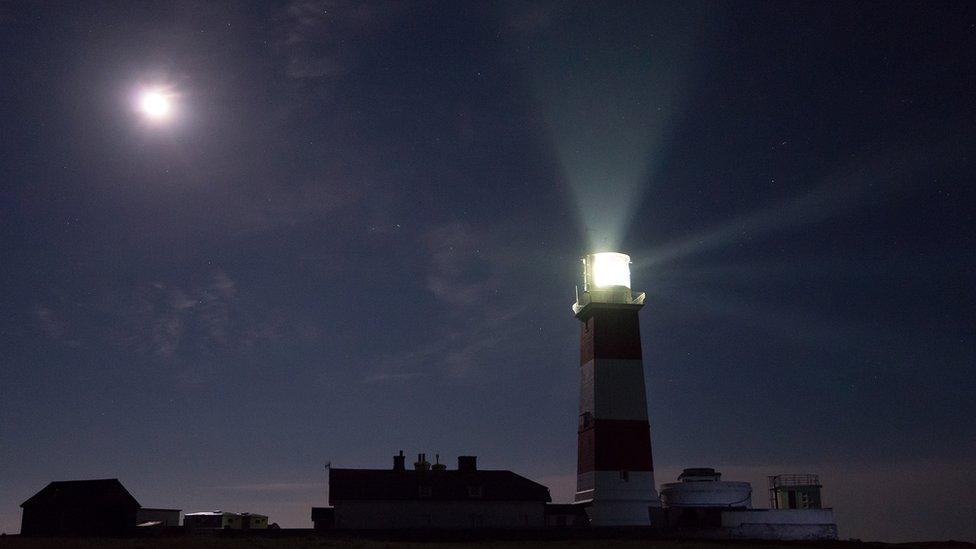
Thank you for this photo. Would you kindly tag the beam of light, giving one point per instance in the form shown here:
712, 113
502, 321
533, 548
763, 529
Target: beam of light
837, 197
791, 325
876, 179
609, 91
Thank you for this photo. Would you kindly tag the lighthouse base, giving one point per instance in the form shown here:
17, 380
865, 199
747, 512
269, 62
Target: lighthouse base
618, 498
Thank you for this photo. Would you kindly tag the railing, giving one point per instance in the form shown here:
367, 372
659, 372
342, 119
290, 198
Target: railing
779, 481
604, 296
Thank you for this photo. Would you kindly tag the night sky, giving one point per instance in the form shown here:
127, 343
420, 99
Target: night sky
358, 230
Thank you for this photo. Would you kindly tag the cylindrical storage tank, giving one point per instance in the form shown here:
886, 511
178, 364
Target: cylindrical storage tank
726, 494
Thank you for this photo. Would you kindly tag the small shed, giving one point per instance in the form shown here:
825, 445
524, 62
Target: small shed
167, 518
100, 507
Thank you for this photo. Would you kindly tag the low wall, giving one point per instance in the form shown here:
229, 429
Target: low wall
784, 531
780, 524
426, 514
738, 517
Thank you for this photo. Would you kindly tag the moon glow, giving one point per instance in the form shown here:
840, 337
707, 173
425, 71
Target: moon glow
155, 105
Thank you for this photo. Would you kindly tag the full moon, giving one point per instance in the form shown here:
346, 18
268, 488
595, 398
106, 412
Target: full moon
155, 104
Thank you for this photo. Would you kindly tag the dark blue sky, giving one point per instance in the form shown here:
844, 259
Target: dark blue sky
360, 233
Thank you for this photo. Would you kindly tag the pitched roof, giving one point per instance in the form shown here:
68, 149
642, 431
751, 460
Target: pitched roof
73, 493
386, 484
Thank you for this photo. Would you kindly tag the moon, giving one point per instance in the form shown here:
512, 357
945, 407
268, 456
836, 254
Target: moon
155, 105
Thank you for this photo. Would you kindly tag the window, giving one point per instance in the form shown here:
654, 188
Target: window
475, 492
625, 475
424, 491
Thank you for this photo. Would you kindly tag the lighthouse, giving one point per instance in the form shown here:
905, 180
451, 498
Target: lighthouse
615, 473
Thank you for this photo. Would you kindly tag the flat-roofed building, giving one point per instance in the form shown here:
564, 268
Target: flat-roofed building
224, 520
151, 516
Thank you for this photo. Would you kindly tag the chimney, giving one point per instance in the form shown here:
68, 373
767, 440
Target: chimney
421, 464
398, 463
438, 466
468, 464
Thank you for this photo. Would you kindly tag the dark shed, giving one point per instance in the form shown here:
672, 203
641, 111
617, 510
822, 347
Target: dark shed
80, 508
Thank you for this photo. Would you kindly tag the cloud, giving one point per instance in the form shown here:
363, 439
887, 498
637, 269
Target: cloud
527, 19
185, 323
465, 269
224, 286
48, 322
179, 301
318, 37
56, 326
275, 206
167, 332
460, 268
383, 377
204, 310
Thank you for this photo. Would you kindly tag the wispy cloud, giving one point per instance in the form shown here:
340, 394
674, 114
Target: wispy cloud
48, 322
171, 321
527, 19
384, 377
318, 37
465, 269
205, 310
289, 205
54, 324
461, 271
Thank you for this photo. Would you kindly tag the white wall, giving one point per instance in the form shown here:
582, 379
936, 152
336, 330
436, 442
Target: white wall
364, 515
734, 519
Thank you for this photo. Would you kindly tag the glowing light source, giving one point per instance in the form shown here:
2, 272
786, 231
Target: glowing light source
606, 281
607, 269
155, 104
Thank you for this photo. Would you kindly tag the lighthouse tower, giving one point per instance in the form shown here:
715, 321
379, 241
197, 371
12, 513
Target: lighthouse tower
615, 475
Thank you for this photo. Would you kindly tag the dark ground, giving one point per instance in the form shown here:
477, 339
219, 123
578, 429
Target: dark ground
311, 540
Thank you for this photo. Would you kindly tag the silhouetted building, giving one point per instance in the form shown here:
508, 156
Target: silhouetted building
794, 492
323, 518
223, 520
212, 520
80, 508
430, 496
253, 521
702, 505
566, 515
